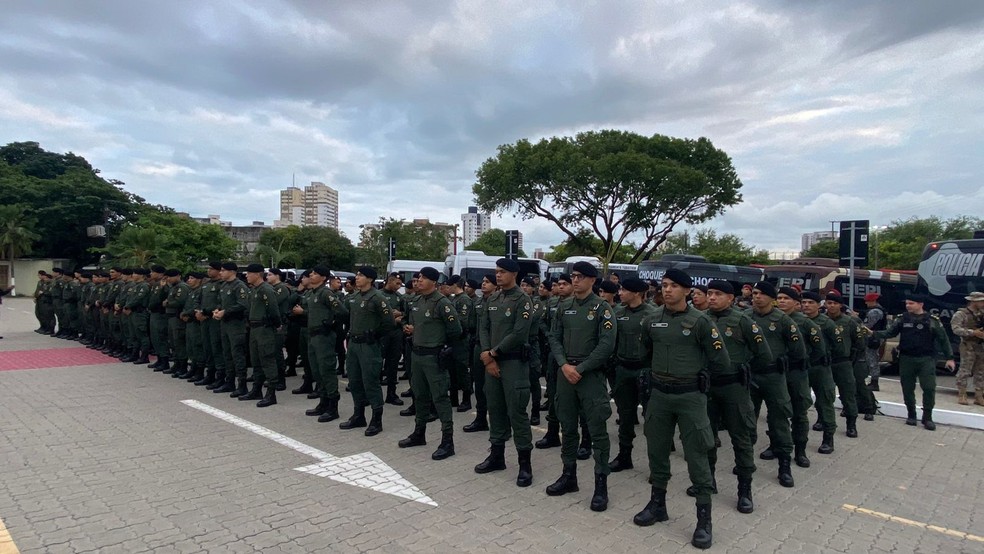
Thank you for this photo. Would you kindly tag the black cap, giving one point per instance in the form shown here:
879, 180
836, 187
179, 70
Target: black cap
916, 297
511, 266
116, 268
791, 292
126, 271
490, 276
810, 295
350, 279
430, 273
321, 270
86, 275
58, 270
609, 287
547, 284
171, 272
368, 271
215, 265
306, 273
453, 280
701, 288
276, 271
230, 266
679, 277
255, 268
765, 288
634, 284
196, 275
586, 269
472, 284
831, 297
158, 269
564, 277
141, 271
529, 280
721, 285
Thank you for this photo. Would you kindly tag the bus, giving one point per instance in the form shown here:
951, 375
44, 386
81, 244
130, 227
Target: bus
471, 264
824, 275
699, 269
406, 268
949, 271
623, 270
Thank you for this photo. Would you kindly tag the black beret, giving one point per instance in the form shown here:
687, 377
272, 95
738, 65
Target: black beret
791, 292
472, 284
634, 284
810, 295
141, 271
215, 265
586, 269
395, 275
765, 288
41, 272
529, 280
721, 285
196, 275
230, 266
547, 284
609, 287
117, 269
321, 270
171, 272
430, 273
512, 266
679, 277
276, 271
701, 288
158, 268
831, 297
307, 273
916, 297
255, 268
58, 270
86, 275
126, 271
368, 271
564, 277
350, 279
453, 280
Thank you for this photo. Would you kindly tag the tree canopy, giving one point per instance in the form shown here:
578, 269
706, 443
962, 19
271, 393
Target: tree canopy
414, 241
492, 243
719, 249
305, 247
585, 243
901, 245
828, 248
164, 237
615, 183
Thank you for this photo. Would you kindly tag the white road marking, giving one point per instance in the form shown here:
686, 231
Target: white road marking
364, 470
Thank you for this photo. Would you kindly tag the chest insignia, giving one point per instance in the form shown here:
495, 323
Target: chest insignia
727, 331
686, 332
363, 304
508, 312
427, 313
772, 326
591, 315
660, 325
714, 333
919, 326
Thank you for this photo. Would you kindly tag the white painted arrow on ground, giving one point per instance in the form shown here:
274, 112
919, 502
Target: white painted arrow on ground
364, 470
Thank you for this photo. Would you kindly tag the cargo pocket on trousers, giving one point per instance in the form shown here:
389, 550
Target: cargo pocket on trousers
521, 395
699, 435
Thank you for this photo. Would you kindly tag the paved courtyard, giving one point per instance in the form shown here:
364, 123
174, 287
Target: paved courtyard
98, 456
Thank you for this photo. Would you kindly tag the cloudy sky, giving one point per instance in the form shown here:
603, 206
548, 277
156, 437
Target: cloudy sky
830, 110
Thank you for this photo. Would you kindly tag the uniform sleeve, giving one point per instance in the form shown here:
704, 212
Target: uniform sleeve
446, 311
485, 327
892, 330
819, 345
718, 360
137, 298
272, 307
386, 321
959, 324
607, 330
795, 348
191, 303
520, 332
241, 301
556, 337
759, 347
942, 341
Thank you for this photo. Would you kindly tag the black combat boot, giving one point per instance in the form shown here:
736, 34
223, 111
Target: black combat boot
291, 371
392, 397
466, 404
454, 398
446, 448
376, 423
181, 372
702, 534
552, 438
331, 411
240, 390
535, 414
207, 380
927, 420
525, 477
163, 365
415, 439
496, 460
409, 411
910, 419
254, 393
799, 456
768, 454
654, 511
270, 398
852, 427
358, 419
218, 383
584, 449
599, 500
305, 387
818, 426
827, 444
319, 409
745, 504
196, 374
481, 423
692, 489
785, 473
142, 358
156, 364
623, 460
566, 483
167, 368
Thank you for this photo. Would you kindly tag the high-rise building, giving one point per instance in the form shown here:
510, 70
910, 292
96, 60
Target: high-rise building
474, 224
291, 207
809, 239
320, 205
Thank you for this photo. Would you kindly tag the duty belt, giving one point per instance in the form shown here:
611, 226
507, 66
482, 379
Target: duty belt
676, 388
771, 368
722, 380
427, 350
261, 323
633, 364
504, 357
363, 338
841, 359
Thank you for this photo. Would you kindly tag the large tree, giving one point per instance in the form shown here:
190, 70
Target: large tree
823, 249
492, 243
414, 241
618, 184
164, 237
587, 244
726, 248
306, 247
901, 245
17, 236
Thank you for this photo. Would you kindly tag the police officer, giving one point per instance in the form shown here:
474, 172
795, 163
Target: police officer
537, 313
582, 341
370, 318
680, 340
968, 324
193, 332
178, 293
391, 343
136, 309
480, 423
433, 323
263, 315
922, 336
322, 307
285, 294
461, 346
631, 361
231, 313
841, 365
798, 378
210, 300
874, 318
158, 319
561, 292
821, 377
505, 354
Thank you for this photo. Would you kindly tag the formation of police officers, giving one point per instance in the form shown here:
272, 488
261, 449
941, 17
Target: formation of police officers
697, 359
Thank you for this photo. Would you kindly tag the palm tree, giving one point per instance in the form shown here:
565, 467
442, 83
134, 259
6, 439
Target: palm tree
16, 235
264, 253
137, 247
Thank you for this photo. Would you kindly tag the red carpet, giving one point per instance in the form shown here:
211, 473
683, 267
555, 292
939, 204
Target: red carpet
52, 357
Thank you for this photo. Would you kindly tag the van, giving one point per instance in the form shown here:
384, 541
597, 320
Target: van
472, 264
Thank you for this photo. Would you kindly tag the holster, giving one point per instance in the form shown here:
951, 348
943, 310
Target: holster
645, 382
704, 381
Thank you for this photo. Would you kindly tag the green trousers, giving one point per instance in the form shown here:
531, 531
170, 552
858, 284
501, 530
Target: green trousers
865, 399
364, 364
771, 388
460, 351
160, 334
430, 386
822, 383
234, 349
262, 347
194, 343
140, 325
922, 368
731, 407
798, 385
625, 392
177, 339
508, 398
663, 414
590, 396
212, 341
844, 379
324, 364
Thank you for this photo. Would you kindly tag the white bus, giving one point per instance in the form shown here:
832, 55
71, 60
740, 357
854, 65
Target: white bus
406, 268
471, 264
623, 270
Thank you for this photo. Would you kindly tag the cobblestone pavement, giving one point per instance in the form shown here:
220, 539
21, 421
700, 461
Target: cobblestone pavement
107, 458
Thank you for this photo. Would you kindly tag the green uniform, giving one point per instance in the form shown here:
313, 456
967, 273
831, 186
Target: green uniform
537, 314
233, 301
769, 384
460, 347
922, 336
821, 376
963, 324
798, 380
478, 368
211, 328
263, 315
842, 365
323, 307
505, 332
370, 318
391, 344
435, 325
45, 307
55, 290
126, 322
729, 402
864, 398
285, 296
70, 304
584, 335
551, 368
109, 304
681, 346
630, 361
193, 333
160, 327
178, 296
136, 302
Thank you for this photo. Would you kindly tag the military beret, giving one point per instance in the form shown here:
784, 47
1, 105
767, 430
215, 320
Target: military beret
529, 280
276, 271
86, 275
453, 280
117, 269
790, 292
564, 277
634, 284
874, 296
321, 270
916, 297
679, 277
511, 266
547, 284
394, 275
721, 285
196, 275
368, 271
430, 273
171, 272
831, 297
584, 268
765, 288
609, 287
58, 270
230, 266
126, 271
350, 279
701, 288
811, 295
490, 277
41, 272
158, 269
472, 284
255, 268
215, 265
141, 271
416, 274
306, 273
